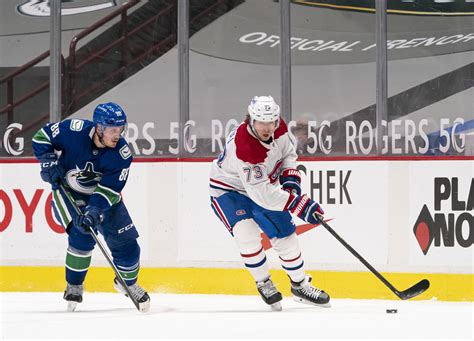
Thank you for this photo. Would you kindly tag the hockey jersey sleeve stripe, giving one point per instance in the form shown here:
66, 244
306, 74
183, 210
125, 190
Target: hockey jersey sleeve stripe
41, 137
227, 186
226, 189
61, 207
217, 187
104, 196
111, 196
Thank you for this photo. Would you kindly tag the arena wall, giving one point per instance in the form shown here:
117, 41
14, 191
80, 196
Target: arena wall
410, 218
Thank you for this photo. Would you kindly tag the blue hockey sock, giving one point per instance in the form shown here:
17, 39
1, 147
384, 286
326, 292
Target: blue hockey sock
129, 274
127, 259
77, 264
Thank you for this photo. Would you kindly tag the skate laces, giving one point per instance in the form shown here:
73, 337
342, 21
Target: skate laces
267, 288
311, 291
137, 291
307, 289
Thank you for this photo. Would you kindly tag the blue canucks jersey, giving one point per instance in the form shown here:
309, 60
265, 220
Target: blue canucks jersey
96, 174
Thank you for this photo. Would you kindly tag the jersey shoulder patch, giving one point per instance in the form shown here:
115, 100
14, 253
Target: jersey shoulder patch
125, 152
248, 148
76, 125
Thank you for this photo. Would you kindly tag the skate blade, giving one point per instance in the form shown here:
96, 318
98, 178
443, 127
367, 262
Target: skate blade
276, 306
71, 306
120, 290
302, 300
144, 307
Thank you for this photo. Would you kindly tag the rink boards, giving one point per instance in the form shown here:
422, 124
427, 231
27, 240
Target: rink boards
410, 218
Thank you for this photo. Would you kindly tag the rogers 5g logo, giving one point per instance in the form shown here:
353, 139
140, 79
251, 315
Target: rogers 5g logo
41, 8
19, 142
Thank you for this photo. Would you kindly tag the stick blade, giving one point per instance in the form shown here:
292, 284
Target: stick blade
144, 307
415, 290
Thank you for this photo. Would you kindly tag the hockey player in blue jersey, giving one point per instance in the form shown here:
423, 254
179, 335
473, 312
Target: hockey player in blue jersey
92, 161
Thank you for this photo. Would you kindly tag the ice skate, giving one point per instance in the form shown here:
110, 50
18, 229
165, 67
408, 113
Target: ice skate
270, 294
304, 292
73, 296
139, 294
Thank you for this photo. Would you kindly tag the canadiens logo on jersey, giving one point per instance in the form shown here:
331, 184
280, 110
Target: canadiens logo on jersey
275, 173
240, 212
83, 180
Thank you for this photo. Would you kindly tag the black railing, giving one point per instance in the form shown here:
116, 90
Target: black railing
71, 94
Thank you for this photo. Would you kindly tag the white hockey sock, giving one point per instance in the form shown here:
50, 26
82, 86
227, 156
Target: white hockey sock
290, 256
249, 241
256, 263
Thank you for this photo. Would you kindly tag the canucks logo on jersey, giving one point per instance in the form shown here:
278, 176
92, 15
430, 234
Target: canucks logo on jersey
83, 180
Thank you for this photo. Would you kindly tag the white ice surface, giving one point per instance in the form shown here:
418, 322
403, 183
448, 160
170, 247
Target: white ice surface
104, 315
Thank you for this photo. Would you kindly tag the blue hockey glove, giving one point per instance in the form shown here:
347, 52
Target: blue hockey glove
306, 209
50, 171
290, 180
90, 220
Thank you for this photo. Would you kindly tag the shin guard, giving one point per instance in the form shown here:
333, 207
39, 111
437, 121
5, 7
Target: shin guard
290, 257
247, 237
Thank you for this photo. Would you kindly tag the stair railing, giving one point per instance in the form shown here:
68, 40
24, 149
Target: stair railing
9, 109
74, 66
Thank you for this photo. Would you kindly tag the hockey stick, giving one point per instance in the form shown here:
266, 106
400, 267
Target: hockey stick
412, 291
105, 253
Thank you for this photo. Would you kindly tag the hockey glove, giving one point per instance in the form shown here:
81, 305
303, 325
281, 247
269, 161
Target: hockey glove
50, 171
305, 208
90, 220
290, 180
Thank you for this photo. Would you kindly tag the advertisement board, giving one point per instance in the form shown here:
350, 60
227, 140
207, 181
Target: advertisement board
441, 214
402, 216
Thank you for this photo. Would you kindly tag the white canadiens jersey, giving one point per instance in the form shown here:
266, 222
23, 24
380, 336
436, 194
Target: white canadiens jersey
252, 167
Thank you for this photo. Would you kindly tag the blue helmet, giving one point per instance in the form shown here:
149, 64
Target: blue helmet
109, 115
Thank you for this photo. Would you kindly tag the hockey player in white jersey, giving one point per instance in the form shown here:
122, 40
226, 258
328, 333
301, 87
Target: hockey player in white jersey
254, 185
